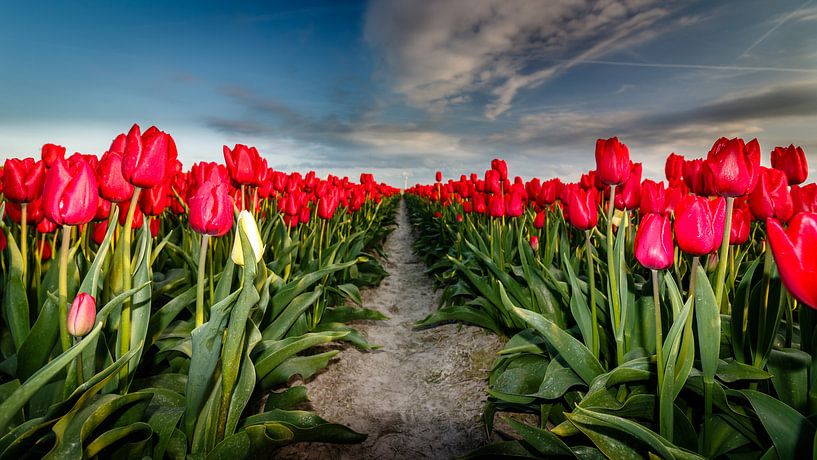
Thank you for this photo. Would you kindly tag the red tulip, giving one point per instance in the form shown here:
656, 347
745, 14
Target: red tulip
804, 198
82, 315
653, 197
99, 231
145, 158
582, 208
794, 251
699, 224
244, 164
51, 152
496, 206
792, 161
734, 166
23, 179
439, 176
328, 204
3, 240
70, 193
612, 161
653, 242
103, 209
492, 182
155, 200
534, 242
693, 175
459, 217
515, 205
674, 167
771, 197
501, 168
629, 195
539, 220
112, 184
741, 220
138, 218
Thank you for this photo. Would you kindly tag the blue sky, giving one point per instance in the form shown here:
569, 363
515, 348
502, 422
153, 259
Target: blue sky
398, 86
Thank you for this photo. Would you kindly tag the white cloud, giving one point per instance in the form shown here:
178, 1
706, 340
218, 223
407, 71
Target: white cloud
437, 53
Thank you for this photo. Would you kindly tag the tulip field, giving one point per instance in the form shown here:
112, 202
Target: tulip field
644, 319
154, 311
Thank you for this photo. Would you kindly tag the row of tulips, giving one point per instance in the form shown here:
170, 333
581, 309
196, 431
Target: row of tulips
152, 311
646, 318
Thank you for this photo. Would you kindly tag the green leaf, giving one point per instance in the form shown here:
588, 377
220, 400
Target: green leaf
345, 314
708, 318
305, 366
578, 356
15, 298
139, 432
578, 305
545, 442
461, 313
279, 327
306, 427
791, 433
789, 368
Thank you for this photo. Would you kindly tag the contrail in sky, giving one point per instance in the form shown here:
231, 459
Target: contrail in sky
775, 27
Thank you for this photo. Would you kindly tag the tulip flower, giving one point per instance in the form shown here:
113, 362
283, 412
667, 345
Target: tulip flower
674, 167
582, 208
112, 184
734, 166
794, 251
699, 224
82, 315
501, 168
652, 198
145, 157
154, 200
496, 206
243, 163
612, 161
70, 193
439, 176
539, 220
630, 194
247, 223
653, 242
804, 198
50, 153
693, 176
792, 161
514, 206
771, 197
23, 179
741, 222
211, 208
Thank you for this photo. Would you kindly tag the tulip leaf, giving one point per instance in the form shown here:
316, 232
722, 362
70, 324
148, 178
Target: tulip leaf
789, 368
15, 298
578, 356
578, 305
791, 433
304, 366
141, 301
296, 307
708, 318
462, 313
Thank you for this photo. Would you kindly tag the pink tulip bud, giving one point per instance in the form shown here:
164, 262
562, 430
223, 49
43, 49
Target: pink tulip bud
82, 315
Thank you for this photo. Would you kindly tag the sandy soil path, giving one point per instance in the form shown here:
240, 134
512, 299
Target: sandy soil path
422, 394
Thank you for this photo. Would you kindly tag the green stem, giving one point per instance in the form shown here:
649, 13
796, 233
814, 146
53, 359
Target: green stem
65, 339
723, 257
611, 275
205, 239
125, 315
591, 277
659, 354
24, 240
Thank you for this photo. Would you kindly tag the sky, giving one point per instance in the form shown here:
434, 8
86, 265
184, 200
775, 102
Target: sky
404, 88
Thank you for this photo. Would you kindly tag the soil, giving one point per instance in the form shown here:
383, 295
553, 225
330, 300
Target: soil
421, 395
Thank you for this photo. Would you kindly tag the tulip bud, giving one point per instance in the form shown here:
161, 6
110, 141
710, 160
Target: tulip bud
500, 167
652, 198
539, 220
439, 176
112, 185
794, 252
244, 164
496, 206
534, 242
82, 315
653, 242
51, 152
792, 161
630, 194
612, 161
246, 222
739, 231
582, 208
459, 217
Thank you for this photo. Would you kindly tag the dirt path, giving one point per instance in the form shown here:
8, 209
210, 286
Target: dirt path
422, 394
